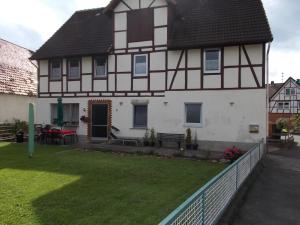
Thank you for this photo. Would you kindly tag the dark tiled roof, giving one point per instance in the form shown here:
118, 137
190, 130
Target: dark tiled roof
196, 23
273, 88
18, 75
218, 22
86, 32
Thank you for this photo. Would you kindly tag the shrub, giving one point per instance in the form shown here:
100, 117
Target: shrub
146, 138
282, 123
232, 154
20, 126
152, 137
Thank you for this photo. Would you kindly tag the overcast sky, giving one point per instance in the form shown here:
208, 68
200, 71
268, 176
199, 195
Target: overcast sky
31, 22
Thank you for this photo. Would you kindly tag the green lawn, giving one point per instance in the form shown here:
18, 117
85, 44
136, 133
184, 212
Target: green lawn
60, 186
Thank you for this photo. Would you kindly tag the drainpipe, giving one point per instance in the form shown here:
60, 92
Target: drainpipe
267, 76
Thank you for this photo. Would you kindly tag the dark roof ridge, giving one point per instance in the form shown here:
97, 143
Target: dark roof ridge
91, 9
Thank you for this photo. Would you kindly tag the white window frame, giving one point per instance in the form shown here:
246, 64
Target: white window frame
95, 71
291, 94
79, 68
282, 107
204, 60
134, 67
51, 70
196, 125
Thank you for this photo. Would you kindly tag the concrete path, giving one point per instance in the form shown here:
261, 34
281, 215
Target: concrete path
274, 198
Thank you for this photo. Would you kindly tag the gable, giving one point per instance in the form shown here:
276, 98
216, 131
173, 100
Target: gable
290, 83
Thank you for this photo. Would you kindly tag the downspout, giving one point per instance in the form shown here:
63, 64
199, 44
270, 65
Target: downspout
267, 89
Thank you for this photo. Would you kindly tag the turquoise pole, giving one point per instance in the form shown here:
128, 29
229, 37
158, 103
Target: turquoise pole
31, 130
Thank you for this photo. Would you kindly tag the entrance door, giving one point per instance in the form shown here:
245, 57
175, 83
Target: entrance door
99, 121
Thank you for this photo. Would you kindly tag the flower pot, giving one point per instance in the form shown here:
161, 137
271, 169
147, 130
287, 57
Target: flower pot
188, 146
195, 147
152, 144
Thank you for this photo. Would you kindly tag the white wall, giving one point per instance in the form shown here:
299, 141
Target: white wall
226, 114
14, 107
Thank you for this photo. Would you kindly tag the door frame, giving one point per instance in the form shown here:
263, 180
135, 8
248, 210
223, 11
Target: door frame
109, 116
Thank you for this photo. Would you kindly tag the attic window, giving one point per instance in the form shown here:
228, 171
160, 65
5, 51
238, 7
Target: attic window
55, 69
290, 91
140, 25
212, 60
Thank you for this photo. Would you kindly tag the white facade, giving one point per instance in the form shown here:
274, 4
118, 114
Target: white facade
232, 99
14, 107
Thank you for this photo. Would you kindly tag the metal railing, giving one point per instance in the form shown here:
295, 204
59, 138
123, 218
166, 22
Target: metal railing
206, 206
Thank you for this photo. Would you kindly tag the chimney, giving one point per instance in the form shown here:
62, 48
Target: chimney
272, 83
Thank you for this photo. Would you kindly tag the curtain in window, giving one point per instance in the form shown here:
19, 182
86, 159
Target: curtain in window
74, 69
71, 113
140, 116
55, 69
212, 60
140, 65
193, 113
100, 66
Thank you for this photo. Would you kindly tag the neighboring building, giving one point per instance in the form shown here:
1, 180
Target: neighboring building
18, 82
285, 97
169, 65
284, 100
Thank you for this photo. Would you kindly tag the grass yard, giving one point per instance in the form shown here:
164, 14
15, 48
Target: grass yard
60, 186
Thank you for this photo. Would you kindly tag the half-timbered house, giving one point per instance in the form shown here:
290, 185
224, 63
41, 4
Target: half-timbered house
284, 101
163, 64
285, 97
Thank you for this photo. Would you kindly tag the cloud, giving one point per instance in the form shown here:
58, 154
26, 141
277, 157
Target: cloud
20, 34
30, 23
285, 51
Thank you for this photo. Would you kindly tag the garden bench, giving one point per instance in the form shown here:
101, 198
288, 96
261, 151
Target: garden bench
162, 137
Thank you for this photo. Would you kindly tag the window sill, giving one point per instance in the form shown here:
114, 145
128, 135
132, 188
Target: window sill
193, 125
100, 77
139, 128
140, 76
58, 79
74, 79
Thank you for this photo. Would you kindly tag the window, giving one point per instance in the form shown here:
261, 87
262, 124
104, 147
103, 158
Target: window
74, 69
140, 25
283, 105
71, 114
212, 61
55, 70
298, 104
140, 116
140, 65
290, 91
193, 113
100, 66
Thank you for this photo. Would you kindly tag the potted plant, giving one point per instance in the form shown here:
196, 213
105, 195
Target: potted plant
188, 139
84, 119
195, 142
146, 138
152, 141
